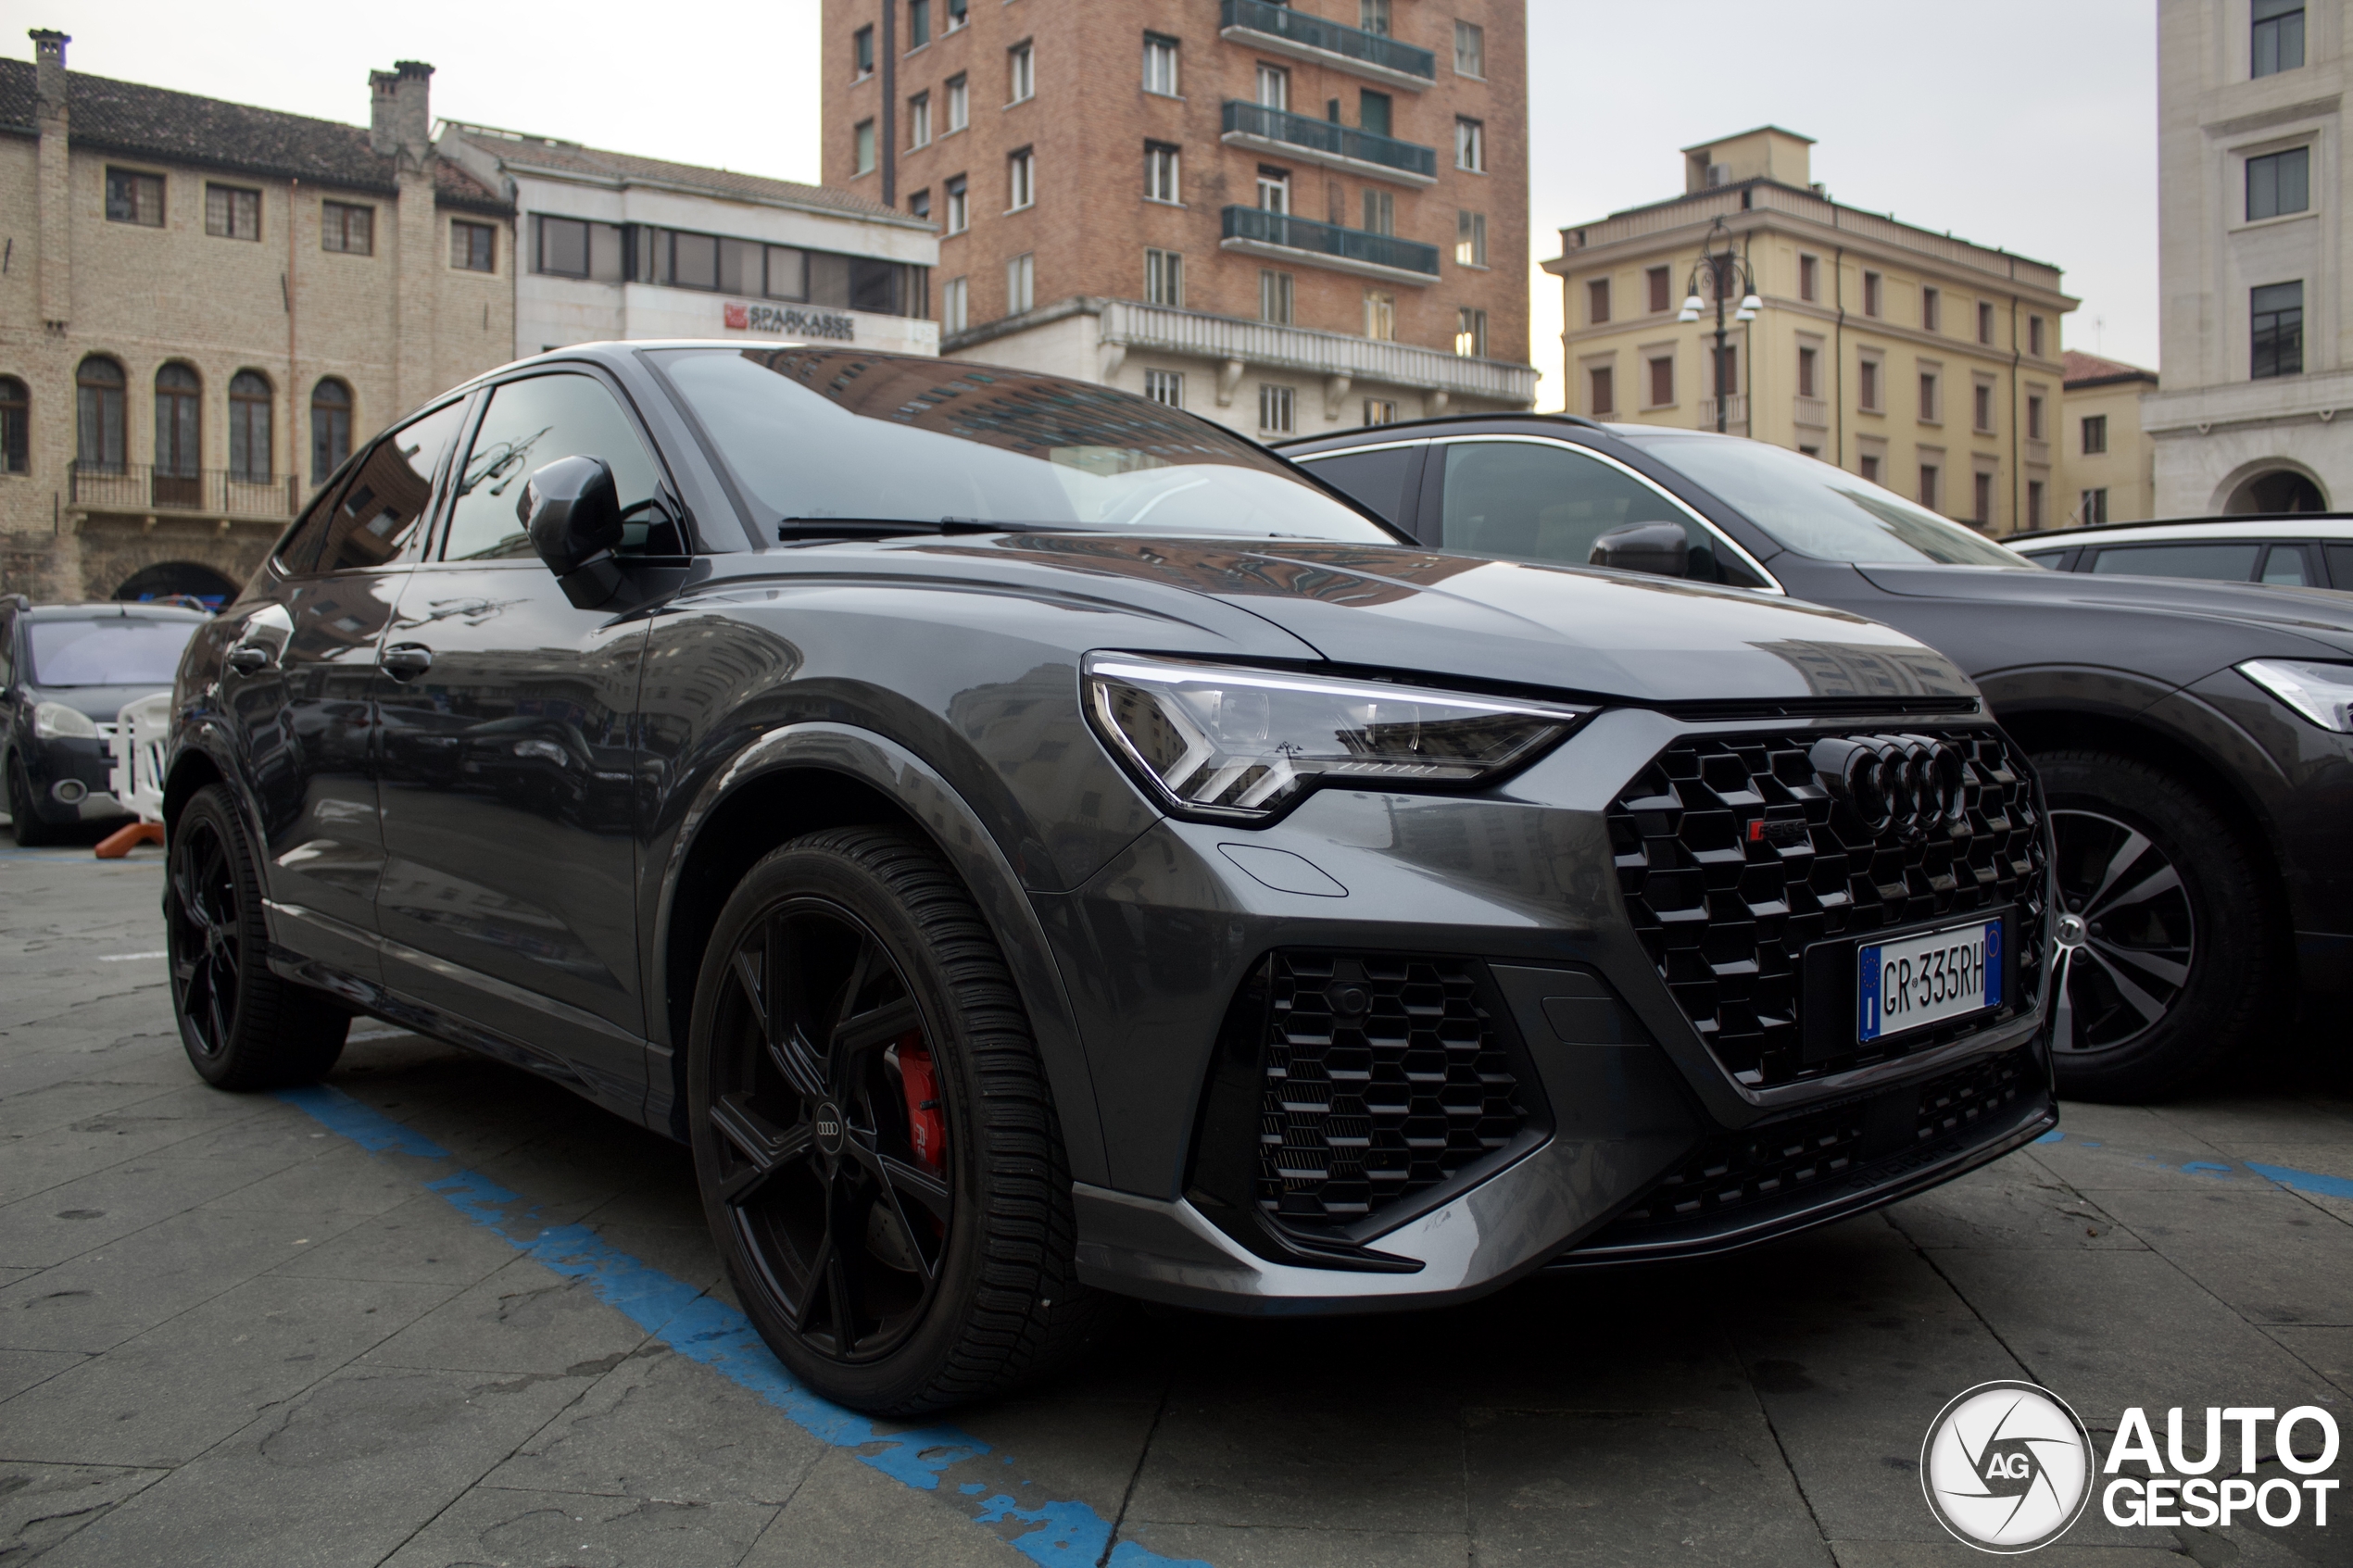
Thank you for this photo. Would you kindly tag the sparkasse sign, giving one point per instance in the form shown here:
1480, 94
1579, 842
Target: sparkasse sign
789, 322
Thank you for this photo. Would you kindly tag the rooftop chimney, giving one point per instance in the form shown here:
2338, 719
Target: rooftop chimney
49, 69
400, 117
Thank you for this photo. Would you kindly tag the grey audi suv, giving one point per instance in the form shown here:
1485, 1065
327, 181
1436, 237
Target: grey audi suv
1037, 845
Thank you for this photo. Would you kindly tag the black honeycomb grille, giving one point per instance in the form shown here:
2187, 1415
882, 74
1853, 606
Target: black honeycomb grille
1385, 1075
1727, 915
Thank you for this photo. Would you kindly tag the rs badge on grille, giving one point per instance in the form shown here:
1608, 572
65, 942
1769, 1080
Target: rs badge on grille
1781, 832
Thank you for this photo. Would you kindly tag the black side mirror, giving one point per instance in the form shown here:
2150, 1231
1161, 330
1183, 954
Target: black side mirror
1663, 549
572, 513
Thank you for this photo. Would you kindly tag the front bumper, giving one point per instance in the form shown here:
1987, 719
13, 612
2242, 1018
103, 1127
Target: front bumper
86, 767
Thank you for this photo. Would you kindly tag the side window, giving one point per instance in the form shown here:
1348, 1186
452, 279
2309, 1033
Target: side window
529, 424
8, 652
1543, 503
1382, 480
298, 555
389, 494
2341, 565
2220, 563
2284, 566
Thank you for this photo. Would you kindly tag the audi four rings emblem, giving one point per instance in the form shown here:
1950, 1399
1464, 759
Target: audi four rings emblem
1910, 783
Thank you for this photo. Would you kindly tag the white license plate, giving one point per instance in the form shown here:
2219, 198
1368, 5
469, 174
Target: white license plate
1928, 979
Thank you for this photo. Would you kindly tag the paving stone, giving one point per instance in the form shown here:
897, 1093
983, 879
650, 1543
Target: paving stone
2328, 1351
337, 1176
846, 1514
1950, 1553
2266, 1252
1229, 1453
76, 1217
43, 1504
20, 1370
523, 1318
1266, 1546
490, 1525
423, 1239
2008, 1205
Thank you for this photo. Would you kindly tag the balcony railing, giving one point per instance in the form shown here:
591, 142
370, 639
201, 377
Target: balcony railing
1352, 250
1328, 143
1373, 54
143, 487
1811, 412
1367, 361
1735, 411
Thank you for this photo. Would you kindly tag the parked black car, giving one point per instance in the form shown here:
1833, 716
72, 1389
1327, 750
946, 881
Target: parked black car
2192, 737
1063, 848
66, 670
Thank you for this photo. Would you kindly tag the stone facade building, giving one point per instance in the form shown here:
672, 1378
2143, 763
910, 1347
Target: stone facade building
1925, 363
2256, 334
1286, 219
203, 306
2110, 462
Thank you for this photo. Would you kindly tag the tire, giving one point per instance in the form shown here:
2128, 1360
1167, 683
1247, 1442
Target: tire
2169, 954
846, 968
242, 1026
23, 819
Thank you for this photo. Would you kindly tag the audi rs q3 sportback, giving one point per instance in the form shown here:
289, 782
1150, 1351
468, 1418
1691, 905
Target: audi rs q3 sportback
1036, 844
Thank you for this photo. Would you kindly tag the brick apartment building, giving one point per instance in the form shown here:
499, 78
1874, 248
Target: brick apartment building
203, 304
1286, 220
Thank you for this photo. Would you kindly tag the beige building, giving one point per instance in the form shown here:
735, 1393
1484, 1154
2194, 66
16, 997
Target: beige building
2110, 461
1929, 364
204, 305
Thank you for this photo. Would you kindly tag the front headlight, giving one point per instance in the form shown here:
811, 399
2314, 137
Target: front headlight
2323, 692
55, 721
1241, 744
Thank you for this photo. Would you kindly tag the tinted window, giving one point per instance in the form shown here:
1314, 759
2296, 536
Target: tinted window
379, 506
814, 433
528, 425
2285, 567
1378, 478
115, 651
1528, 502
2223, 563
299, 553
2341, 566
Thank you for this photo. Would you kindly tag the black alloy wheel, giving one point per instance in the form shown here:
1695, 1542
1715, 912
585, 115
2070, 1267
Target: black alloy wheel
2164, 951
31, 831
244, 1027
902, 1241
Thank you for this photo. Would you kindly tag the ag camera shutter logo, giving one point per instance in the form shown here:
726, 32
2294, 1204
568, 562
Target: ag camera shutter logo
2007, 1467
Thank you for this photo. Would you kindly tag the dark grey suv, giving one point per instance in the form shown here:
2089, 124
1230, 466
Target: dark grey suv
65, 671
1033, 843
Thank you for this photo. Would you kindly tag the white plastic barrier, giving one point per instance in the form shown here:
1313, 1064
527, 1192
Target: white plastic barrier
139, 735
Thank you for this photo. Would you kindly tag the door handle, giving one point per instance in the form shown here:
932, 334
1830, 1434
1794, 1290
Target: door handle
249, 658
406, 661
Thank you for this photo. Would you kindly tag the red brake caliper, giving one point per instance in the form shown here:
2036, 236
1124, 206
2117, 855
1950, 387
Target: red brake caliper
926, 1125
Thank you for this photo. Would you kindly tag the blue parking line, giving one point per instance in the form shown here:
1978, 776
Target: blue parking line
705, 1329
2285, 1175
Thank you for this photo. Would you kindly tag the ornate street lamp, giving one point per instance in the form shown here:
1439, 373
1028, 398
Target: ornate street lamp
1726, 272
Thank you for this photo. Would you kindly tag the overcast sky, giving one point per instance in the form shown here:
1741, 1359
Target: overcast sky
2021, 123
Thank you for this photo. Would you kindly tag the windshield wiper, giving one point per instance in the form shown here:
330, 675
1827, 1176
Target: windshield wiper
793, 530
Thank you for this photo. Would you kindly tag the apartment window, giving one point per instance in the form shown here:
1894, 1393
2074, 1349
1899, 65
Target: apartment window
1809, 451
330, 428
1470, 49
1470, 145
958, 14
2277, 43
1866, 387
862, 51
1809, 278
1597, 301
1380, 315
1373, 16
2095, 435
563, 248
1021, 283
1986, 323
1470, 239
132, 198
784, 270
1021, 74
1929, 477
1275, 404
1662, 290
98, 413
474, 248
918, 24
1600, 391
1872, 291
1381, 211
1728, 377
1805, 374
1929, 414
1982, 500
1470, 332
2279, 182
1981, 408
1662, 387
1020, 180
2276, 312
348, 227
1274, 88
1868, 467
960, 103
231, 213
1165, 386
1164, 278
919, 204
955, 309
866, 146
2034, 336
1380, 410
1273, 189
1160, 173
958, 205
1932, 310
249, 444
1275, 297
919, 120
2092, 507
1160, 65
1373, 111
2033, 416
2034, 503
15, 427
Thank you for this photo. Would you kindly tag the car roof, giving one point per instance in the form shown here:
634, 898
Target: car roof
1440, 423
130, 608
2299, 525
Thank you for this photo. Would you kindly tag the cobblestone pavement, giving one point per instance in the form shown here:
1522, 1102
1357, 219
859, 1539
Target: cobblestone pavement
439, 1313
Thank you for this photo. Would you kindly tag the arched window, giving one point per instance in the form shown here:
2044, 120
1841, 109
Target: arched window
249, 447
16, 420
330, 428
98, 416
178, 400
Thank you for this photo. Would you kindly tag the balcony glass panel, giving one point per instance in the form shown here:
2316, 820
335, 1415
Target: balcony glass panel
1329, 239
1341, 140
1314, 32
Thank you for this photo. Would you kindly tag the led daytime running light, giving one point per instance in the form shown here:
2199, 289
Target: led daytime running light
2323, 692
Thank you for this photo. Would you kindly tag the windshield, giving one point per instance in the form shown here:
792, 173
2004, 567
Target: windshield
1809, 506
117, 651
815, 433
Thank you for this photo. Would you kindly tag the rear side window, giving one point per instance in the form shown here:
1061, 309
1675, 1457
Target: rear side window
2285, 567
2341, 566
1382, 480
2218, 563
529, 424
389, 494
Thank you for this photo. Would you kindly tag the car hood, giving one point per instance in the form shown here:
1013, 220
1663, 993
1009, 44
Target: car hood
102, 703
1616, 635
2254, 620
